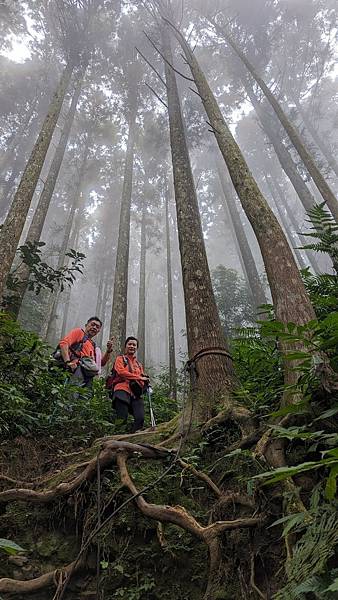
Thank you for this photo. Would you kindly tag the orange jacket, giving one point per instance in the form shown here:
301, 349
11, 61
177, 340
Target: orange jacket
74, 337
130, 372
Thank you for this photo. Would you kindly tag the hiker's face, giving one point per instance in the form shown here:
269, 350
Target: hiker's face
92, 328
131, 347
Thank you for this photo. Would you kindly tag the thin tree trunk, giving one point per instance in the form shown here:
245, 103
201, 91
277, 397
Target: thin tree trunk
204, 329
296, 140
51, 311
296, 226
171, 330
36, 226
300, 260
290, 299
15, 141
141, 324
15, 221
283, 154
119, 308
248, 259
316, 137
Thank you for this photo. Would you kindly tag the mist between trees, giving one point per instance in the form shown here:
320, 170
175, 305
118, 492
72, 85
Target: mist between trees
86, 162
170, 166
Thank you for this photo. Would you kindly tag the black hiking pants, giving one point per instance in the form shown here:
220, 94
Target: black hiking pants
125, 404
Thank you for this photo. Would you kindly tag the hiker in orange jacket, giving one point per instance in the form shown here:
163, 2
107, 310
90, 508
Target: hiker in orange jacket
130, 383
78, 344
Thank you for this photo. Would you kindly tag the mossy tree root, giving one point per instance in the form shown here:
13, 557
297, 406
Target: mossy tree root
105, 458
177, 515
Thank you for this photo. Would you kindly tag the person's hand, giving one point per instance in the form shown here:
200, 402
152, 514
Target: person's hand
110, 345
72, 365
144, 378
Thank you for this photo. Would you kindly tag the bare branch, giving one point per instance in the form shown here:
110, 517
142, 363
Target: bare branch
165, 60
157, 96
151, 66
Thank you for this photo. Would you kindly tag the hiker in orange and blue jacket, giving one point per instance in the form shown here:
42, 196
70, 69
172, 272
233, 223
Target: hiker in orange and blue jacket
129, 382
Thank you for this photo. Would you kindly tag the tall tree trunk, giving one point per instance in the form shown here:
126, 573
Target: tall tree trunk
36, 226
283, 199
51, 310
141, 324
204, 329
316, 137
171, 330
296, 140
119, 308
248, 259
283, 154
290, 299
15, 221
301, 262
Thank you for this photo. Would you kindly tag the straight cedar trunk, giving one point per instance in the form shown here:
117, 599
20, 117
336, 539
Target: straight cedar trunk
39, 217
283, 200
73, 232
284, 156
316, 136
74, 241
8, 186
141, 324
171, 331
290, 299
295, 138
16, 139
15, 221
204, 331
119, 308
51, 310
301, 262
244, 248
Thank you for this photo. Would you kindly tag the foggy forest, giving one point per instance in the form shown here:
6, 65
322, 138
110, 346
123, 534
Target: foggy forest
169, 299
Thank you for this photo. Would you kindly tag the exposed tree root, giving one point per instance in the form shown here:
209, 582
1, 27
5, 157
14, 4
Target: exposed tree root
14, 586
202, 476
177, 515
105, 458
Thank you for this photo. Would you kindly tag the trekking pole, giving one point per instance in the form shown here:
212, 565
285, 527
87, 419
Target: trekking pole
152, 416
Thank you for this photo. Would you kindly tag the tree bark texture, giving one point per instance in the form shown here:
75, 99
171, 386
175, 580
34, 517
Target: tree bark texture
284, 156
171, 330
204, 329
300, 260
283, 199
119, 308
36, 226
15, 221
316, 137
141, 324
291, 301
244, 248
295, 138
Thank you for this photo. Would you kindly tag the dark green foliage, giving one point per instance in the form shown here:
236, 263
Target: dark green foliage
42, 275
325, 230
233, 299
258, 365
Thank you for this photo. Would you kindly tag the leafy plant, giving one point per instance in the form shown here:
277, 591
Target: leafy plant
10, 547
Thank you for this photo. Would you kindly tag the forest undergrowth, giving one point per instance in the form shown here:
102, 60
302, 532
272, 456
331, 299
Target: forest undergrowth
176, 512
